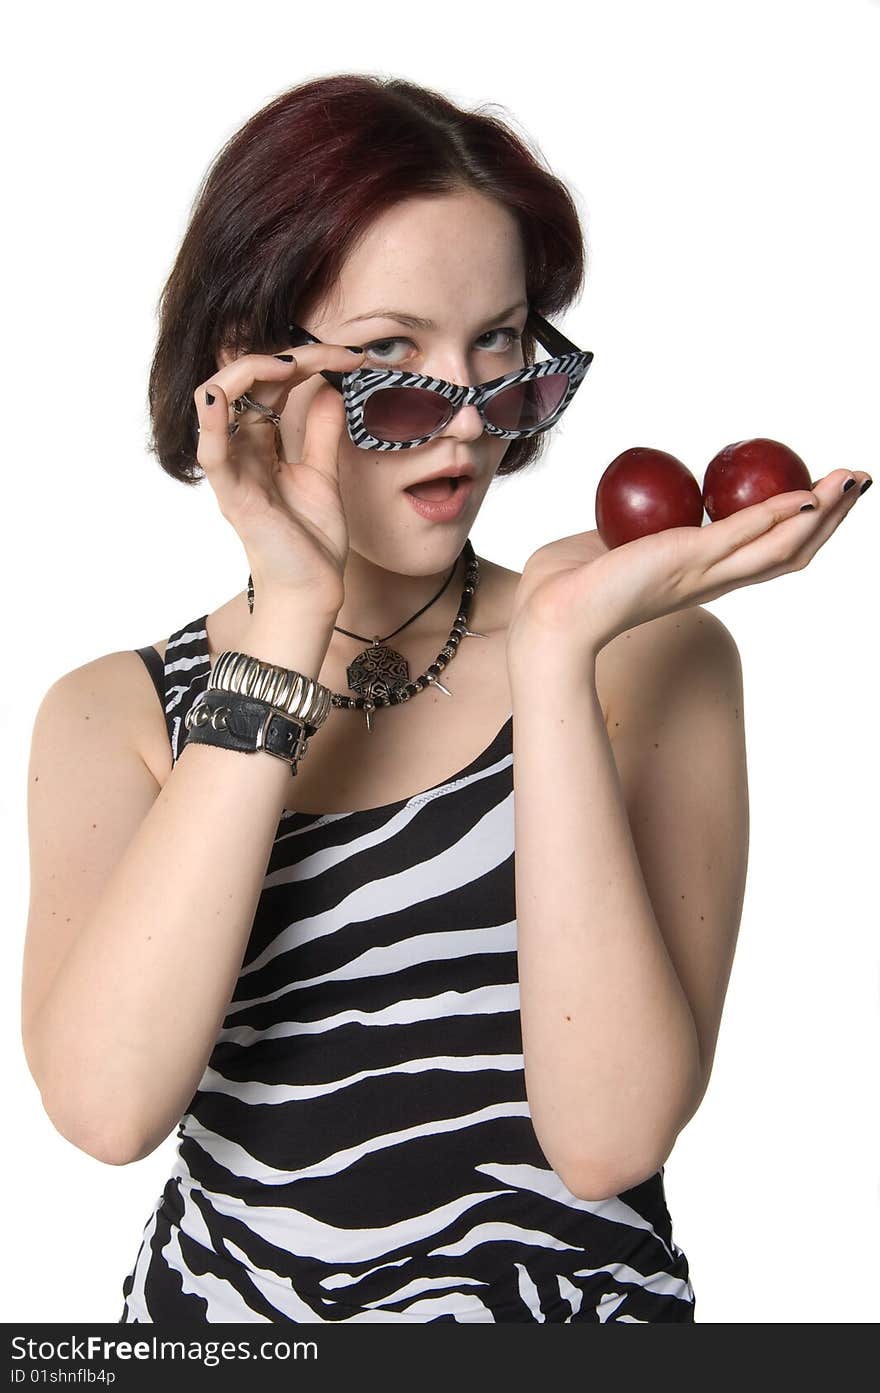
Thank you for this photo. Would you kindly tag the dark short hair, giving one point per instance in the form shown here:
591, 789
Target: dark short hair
288, 196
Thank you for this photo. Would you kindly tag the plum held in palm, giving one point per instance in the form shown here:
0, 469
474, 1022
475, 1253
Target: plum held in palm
644, 491
748, 472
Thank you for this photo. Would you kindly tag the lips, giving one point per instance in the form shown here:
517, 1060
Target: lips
456, 471
440, 500
436, 489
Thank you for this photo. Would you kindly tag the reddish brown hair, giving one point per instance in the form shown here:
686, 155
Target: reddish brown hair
291, 192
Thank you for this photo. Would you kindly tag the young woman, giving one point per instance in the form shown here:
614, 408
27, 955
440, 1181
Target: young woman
428, 1016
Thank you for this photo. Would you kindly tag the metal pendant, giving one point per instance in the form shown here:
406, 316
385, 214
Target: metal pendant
376, 671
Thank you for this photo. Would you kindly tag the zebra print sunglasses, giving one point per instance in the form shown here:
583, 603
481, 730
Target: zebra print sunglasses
388, 409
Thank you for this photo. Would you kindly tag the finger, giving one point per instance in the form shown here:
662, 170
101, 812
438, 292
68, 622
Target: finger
729, 535
750, 524
830, 518
792, 536
325, 422
213, 448
269, 379
832, 489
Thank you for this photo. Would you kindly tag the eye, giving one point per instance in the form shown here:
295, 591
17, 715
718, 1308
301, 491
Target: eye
512, 336
380, 349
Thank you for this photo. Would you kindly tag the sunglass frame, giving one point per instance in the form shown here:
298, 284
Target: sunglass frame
357, 386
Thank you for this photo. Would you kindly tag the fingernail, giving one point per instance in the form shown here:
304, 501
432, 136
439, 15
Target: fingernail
865, 486
285, 357
209, 397
808, 508
353, 350
848, 485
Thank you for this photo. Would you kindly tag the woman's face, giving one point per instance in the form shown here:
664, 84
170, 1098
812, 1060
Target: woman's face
457, 261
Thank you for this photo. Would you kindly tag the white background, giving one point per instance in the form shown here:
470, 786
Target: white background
724, 160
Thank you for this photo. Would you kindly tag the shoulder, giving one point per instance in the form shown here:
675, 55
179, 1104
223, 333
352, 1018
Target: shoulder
677, 651
105, 682
112, 692
674, 715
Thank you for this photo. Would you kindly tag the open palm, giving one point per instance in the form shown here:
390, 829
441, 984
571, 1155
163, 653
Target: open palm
584, 592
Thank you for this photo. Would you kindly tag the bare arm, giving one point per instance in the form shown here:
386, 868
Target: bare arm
142, 901
630, 873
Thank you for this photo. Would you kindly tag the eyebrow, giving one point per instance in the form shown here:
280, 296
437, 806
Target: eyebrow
414, 322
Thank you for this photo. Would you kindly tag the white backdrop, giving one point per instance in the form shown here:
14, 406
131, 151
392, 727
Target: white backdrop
724, 160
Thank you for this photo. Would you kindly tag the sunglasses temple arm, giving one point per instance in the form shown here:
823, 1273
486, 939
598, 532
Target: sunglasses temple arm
298, 337
549, 337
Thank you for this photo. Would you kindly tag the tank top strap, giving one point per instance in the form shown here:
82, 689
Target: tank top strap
155, 667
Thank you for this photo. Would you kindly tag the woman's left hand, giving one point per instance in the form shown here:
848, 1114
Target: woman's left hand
577, 592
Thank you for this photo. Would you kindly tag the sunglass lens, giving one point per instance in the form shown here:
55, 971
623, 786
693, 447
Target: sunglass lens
527, 404
398, 414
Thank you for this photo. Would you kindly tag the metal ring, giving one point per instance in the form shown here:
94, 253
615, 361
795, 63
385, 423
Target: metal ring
246, 403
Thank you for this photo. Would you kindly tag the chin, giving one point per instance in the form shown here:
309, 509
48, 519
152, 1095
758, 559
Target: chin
414, 555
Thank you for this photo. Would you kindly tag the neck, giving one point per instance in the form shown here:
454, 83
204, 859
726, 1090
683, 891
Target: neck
378, 601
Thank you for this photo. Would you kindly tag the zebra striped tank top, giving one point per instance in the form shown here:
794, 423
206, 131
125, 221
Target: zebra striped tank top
360, 1145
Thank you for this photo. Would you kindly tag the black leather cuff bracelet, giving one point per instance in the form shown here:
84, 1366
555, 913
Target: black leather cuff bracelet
236, 722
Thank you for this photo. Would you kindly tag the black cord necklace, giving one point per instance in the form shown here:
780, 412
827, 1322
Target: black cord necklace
380, 674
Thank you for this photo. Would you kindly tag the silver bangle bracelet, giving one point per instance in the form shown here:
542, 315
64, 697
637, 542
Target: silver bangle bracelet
294, 694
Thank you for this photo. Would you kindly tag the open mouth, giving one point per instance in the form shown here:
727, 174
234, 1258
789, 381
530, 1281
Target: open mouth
436, 490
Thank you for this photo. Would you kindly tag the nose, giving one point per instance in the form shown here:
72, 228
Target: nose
466, 424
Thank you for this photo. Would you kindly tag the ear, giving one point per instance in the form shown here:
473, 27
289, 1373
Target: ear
224, 356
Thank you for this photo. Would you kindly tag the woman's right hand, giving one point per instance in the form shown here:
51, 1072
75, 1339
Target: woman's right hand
289, 516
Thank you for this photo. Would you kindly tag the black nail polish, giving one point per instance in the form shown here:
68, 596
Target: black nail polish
285, 357
209, 397
848, 485
353, 350
808, 508
865, 486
